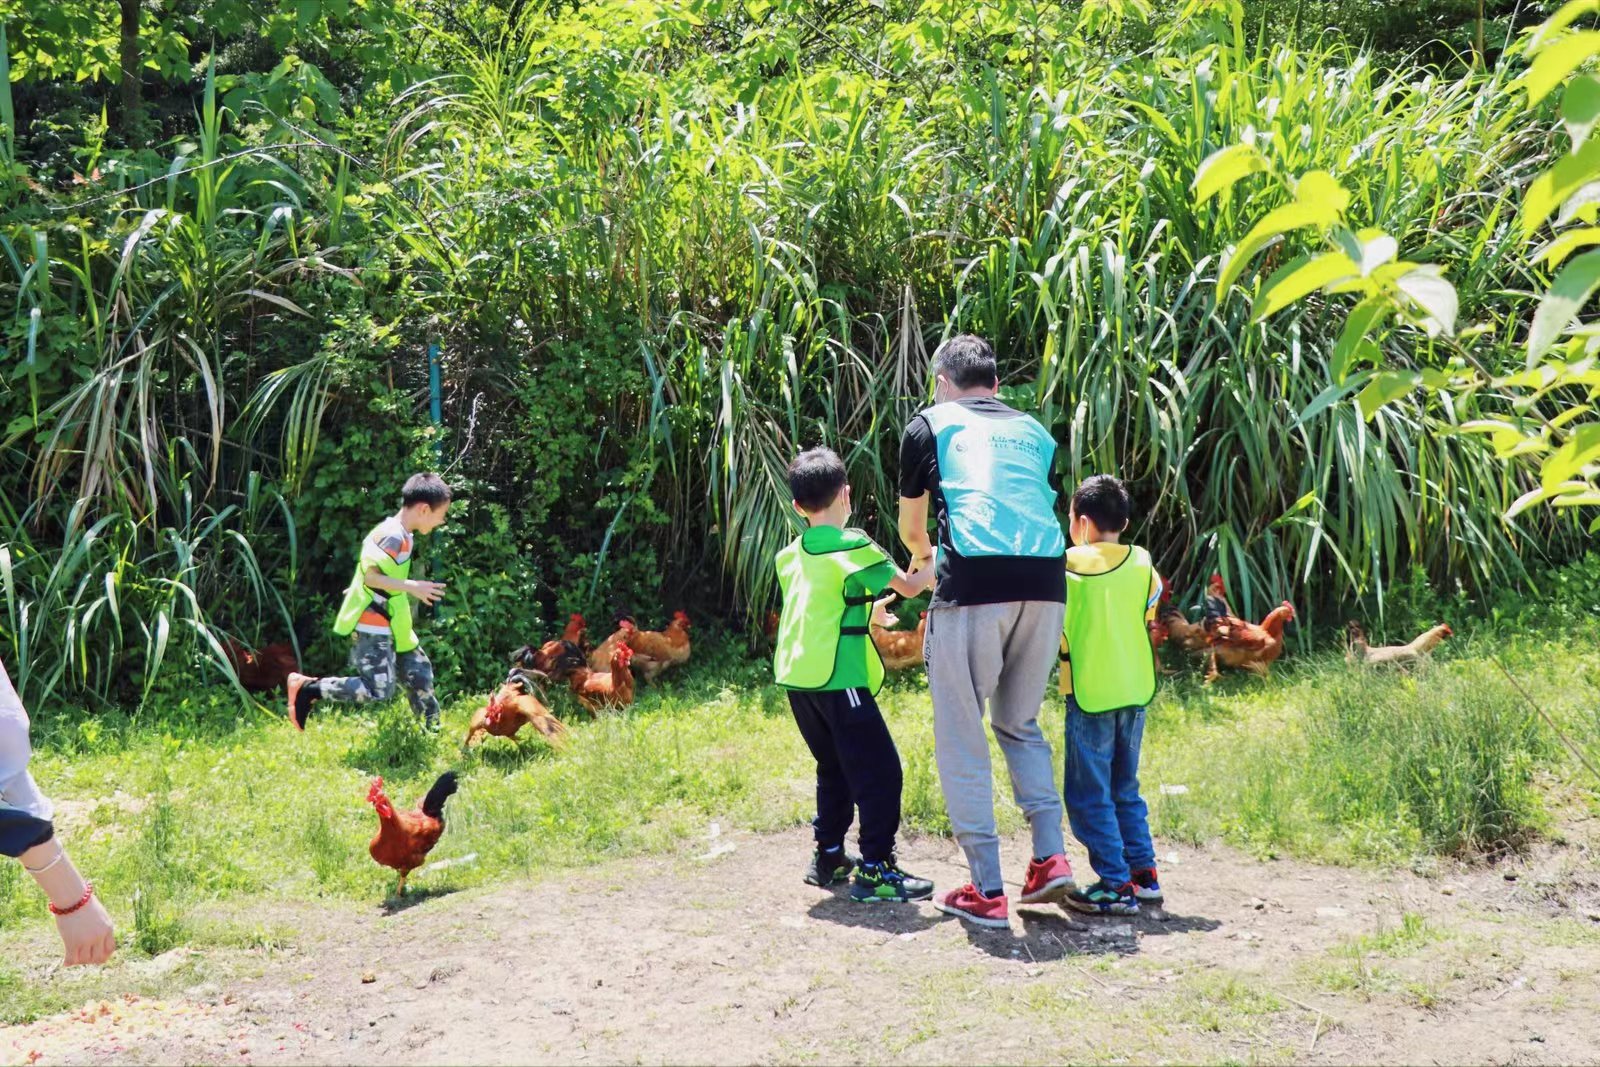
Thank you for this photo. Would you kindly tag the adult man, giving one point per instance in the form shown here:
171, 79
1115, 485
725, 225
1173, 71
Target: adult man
994, 626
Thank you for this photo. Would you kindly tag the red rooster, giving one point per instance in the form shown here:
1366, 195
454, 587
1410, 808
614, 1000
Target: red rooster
515, 705
405, 838
1236, 643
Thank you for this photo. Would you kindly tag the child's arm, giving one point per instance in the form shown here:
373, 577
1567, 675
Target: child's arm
909, 585
427, 592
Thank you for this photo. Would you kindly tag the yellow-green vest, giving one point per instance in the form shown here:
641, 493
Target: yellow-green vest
358, 596
812, 634
1108, 644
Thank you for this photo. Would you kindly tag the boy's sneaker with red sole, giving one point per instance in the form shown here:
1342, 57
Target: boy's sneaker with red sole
299, 699
1049, 880
1146, 888
969, 904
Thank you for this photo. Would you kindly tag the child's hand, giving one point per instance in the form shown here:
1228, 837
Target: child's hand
427, 592
87, 934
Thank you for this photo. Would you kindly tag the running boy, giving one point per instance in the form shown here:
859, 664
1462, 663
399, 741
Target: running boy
825, 658
1108, 675
377, 609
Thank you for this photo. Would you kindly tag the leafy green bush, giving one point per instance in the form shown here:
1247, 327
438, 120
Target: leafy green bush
663, 255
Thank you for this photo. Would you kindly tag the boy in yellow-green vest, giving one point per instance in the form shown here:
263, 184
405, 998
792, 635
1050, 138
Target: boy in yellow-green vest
825, 657
1108, 675
377, 610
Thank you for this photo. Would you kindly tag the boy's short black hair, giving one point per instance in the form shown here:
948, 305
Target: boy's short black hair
426, 488
968, 361
816, 478
1104, 501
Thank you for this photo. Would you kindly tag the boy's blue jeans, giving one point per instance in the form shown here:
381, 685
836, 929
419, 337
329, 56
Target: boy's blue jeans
1101, 791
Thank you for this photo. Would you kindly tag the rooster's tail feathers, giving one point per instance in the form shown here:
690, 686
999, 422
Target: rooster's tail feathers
443, 789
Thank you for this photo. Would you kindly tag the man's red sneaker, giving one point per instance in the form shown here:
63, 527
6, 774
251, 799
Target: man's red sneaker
1049, 880
969, 904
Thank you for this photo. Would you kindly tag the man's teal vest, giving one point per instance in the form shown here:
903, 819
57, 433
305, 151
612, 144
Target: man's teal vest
995, 477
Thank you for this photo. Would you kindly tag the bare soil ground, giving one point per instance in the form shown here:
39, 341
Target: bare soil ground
727, 957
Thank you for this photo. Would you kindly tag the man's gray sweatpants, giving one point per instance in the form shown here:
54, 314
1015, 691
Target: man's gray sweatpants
997, 655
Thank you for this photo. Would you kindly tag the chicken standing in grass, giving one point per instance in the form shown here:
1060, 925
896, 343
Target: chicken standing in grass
1236, 643
899, 649
1402, 656
600, 657
405, 838
517, 703
655, 651
597, 690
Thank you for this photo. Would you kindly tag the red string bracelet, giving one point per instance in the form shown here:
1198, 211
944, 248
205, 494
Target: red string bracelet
88, 891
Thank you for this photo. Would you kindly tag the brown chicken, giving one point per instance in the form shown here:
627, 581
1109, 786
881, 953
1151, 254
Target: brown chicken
405, 838
514, 705
605, 689
261, 670
655, 651
600, 657
899, 649
1240, 645
1189, 636
769, 627
1402, 656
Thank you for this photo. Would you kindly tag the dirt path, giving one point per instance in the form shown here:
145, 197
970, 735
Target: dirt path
728, 958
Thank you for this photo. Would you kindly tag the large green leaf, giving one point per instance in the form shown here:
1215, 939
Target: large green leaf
1353, 339
1555, 61
1564, 16
1580, 107
1279, 221
1300, 277
1385, 387
1571, 289
1555, 252
1225, 167
1551, 189
1579, 450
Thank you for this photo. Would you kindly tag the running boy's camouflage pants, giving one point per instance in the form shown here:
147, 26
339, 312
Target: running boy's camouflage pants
379, 671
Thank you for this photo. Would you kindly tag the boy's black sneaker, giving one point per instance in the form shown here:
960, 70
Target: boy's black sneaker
830, 868
302, 691
887, 882
1103, 898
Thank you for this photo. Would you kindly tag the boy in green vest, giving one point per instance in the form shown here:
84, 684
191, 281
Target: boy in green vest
377, 609
825, 657
1108, 675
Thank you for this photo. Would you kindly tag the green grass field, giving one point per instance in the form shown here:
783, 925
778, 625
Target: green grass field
200, 802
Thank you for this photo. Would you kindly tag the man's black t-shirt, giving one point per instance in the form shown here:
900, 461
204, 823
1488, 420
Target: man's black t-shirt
966, 580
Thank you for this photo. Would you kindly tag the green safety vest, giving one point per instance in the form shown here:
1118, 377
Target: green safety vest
812, 634
1108, 645
357, 598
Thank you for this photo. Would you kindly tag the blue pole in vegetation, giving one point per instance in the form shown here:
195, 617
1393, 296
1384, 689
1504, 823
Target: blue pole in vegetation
435, 397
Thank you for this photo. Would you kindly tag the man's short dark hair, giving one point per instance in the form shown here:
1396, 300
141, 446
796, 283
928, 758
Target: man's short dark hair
816, 478
1104, 501
968, 361
426, 489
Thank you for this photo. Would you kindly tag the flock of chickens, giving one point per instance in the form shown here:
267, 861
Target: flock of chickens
1223, 639
602, 678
